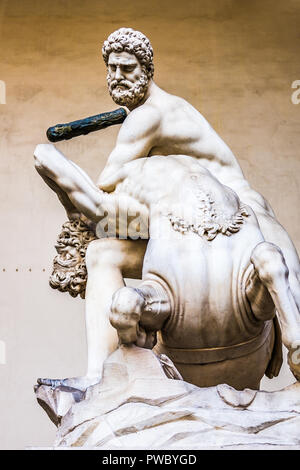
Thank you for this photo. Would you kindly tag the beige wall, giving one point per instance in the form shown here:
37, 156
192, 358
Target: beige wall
234, 60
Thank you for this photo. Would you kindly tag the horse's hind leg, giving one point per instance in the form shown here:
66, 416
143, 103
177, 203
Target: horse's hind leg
271, 268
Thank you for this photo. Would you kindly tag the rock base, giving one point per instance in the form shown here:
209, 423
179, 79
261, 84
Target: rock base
136, 406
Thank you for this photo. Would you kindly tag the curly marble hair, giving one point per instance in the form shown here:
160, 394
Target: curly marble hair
133, 42
69, 269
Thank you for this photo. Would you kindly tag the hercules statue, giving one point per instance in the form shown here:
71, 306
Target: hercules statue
217, 261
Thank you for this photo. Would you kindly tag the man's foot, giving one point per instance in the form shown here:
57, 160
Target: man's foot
79, 383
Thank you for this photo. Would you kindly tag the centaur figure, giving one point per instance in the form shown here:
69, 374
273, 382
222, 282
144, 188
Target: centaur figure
210, 282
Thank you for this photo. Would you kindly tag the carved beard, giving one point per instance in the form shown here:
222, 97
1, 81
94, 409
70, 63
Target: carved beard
132, 94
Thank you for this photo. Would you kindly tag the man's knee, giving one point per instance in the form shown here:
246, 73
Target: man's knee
39, 159
126, 309
41, 155
49, 161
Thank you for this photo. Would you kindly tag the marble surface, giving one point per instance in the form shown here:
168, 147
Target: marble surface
137, 407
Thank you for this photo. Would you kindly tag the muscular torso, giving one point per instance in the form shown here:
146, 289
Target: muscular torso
183, 130
168, 125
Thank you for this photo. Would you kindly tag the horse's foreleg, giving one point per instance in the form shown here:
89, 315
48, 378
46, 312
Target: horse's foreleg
271, 268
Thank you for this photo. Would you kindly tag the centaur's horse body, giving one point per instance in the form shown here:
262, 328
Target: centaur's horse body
201, 287
211, 333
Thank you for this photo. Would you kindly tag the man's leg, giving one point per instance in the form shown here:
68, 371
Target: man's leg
70, 209
74, 188
138, 314
108, 262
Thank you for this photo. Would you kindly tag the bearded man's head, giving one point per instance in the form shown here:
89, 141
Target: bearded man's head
122, 48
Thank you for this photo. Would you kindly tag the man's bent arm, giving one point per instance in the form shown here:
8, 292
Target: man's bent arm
136, 139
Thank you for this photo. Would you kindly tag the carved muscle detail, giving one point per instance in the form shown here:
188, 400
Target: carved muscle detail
69, 268
208, 220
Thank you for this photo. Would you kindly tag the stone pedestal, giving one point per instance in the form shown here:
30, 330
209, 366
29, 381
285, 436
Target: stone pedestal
137, 407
